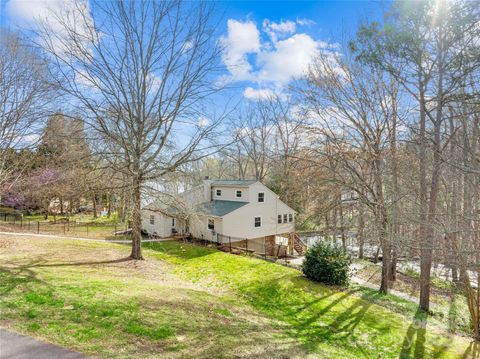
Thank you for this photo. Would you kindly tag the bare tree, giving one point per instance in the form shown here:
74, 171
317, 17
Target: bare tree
354, 108
252, 140
141, 73
25, 96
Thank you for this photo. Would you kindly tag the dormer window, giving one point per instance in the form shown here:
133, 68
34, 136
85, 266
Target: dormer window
261, 197
290, 217
280, 218
284, 218
219, 192
239, 193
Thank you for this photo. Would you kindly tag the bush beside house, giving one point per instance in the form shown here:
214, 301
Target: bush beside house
328, 263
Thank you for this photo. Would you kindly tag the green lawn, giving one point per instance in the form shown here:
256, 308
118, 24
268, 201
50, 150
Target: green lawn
190, 301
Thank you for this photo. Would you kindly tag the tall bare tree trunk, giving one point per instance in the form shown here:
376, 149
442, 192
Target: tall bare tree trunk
136, 220
361, 230
94, 200
425, 254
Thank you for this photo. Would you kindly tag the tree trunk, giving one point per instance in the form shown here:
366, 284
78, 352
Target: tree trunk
136, 221
109, 198
386, 252
342, 224
425, 253
94, 199
361, 231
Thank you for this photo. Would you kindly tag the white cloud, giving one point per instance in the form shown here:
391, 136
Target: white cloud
51, 13
203, 122
289, 59
305, 22
242, 38
258, 94
278, 29
272, 63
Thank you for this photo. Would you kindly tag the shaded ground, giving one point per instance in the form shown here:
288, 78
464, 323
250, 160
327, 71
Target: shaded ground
88, 296
17, 346
187, 301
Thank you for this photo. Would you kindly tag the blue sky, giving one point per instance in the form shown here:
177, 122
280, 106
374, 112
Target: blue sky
267, 43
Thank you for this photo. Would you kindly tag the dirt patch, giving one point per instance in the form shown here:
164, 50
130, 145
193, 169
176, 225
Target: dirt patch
6, 243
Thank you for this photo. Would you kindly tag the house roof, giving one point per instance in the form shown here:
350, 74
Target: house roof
219, 208
233, 182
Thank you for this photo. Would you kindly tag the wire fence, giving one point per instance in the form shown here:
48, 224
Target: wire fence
16, 222
263, 246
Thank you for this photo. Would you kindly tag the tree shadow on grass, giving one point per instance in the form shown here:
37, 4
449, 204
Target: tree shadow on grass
413, 345
67, 264
473, 351
182, 250
326, 315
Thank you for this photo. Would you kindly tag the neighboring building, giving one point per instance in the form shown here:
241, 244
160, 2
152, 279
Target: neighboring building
225, 211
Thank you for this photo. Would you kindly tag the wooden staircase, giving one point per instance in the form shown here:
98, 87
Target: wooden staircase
298, 245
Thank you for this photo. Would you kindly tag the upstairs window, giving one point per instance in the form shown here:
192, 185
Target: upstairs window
219, 192
173, 222
261, 197
279, 218
152, 219
211, 224
290, 217
239, 193
258, 221
284, 218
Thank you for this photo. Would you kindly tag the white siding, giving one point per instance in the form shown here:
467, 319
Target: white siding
229, 193
240, 223
198, 227
162, 226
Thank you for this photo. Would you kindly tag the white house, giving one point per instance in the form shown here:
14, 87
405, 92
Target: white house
225, 211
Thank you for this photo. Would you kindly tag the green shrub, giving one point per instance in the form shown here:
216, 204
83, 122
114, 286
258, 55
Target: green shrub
327, 263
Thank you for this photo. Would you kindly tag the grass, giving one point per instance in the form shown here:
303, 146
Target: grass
189, 301
449, 306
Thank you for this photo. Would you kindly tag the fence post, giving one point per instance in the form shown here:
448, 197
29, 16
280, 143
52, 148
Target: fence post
230, 242
38, 227
246, 245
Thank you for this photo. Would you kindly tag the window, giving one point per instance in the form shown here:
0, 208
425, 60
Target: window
211, 224
279, 218
173, 222
258, 221
284, 218
239, 193
219, 192
152, 219
261, 197
290, 217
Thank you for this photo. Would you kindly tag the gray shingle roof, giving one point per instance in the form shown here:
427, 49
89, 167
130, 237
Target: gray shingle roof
233, 182
219, 208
